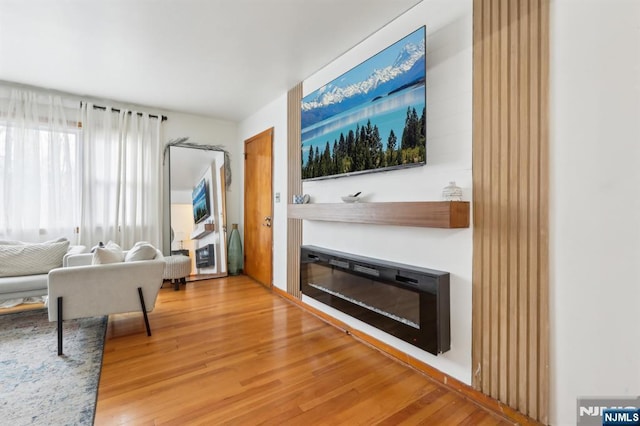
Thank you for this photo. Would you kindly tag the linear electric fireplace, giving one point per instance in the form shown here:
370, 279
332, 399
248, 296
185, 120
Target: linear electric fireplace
408, 302
205, 256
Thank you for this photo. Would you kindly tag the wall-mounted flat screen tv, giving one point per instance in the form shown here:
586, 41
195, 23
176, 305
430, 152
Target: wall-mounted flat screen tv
201, 205
371, 118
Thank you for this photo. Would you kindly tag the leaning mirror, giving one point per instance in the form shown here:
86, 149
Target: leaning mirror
197, 209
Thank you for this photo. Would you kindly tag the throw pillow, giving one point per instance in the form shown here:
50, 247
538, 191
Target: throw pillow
100, 244
111, 253
31, 258
16, 242
11, 243
141, 251
57, 240
76, 250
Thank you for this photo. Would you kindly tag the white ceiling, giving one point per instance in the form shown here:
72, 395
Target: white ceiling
219, 58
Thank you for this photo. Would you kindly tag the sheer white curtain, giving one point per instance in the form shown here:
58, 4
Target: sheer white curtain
39, 166
122, 177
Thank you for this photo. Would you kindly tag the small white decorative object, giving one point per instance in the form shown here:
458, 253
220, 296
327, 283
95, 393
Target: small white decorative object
301, 199
351, 198
452, 192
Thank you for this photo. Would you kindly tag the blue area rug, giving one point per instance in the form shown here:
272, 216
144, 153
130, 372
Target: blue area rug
38, 387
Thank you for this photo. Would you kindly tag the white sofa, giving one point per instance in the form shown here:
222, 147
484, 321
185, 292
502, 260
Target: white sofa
82, 290
24, 266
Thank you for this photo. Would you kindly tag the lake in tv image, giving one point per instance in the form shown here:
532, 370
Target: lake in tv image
372, 117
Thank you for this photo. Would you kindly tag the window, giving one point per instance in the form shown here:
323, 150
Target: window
40, 175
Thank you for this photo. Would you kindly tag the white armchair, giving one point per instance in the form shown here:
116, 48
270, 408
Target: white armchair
81, 290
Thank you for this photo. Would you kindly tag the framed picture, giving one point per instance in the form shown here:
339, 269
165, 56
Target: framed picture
371, 118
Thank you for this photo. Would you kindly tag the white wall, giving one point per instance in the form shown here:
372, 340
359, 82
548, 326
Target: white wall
449, 78
594, 201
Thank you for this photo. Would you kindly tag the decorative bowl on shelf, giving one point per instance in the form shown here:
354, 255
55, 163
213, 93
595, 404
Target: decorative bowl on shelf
350, 198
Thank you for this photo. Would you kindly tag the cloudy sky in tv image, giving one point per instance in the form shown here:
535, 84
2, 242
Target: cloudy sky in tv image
379, 89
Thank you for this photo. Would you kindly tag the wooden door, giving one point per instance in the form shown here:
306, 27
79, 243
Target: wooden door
258, 208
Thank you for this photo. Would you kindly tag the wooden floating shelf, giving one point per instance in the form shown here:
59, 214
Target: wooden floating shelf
200, 230
428, 214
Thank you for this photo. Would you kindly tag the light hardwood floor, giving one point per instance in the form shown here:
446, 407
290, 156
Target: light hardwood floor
228, 351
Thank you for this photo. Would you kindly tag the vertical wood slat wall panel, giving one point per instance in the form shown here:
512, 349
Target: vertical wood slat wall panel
485, 173
294, 186
504, 202
543, 237
477, 298
534, 147
510, 207
514, 129
523, 206
494, 170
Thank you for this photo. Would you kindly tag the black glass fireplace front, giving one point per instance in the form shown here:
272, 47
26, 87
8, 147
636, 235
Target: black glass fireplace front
205, 256
408, 302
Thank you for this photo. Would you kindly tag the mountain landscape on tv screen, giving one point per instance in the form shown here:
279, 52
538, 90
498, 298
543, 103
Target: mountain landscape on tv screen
333, 99
371, 117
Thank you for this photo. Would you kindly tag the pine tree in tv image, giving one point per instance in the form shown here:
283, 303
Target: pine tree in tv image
200, 196
372, 118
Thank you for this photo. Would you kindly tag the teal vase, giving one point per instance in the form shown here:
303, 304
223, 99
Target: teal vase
234, 251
